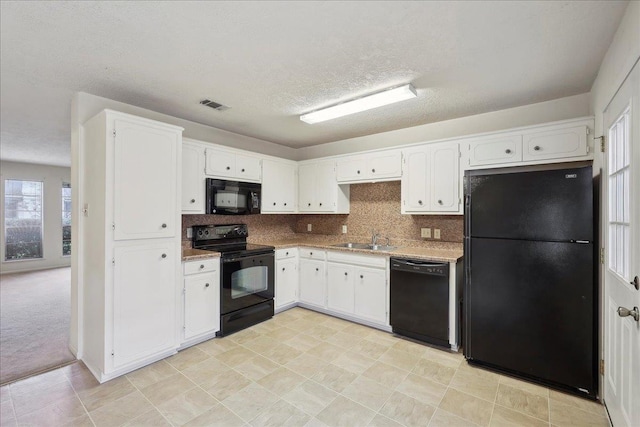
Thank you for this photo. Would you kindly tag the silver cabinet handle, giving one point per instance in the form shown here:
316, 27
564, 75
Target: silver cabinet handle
193, 200
164, 255
164, 225
636, 283
624, 312
508, 151
537, 148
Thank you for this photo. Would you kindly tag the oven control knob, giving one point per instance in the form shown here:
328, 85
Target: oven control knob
206, 232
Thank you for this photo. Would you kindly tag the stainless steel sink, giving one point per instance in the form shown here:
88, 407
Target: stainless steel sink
352, 245
366, 246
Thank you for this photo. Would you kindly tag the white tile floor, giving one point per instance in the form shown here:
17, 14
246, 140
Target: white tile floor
300, 368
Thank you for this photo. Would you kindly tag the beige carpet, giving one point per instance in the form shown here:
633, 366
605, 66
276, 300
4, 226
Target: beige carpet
34, 322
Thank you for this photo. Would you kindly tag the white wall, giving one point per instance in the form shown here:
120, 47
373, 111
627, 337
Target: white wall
559, 109
52, 176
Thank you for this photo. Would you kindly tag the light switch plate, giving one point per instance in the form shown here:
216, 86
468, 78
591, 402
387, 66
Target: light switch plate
436, 233
425, 233
189, 233
309, 227
344, 229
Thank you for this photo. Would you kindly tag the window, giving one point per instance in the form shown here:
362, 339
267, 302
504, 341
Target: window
66, 219
22, 219
619, 196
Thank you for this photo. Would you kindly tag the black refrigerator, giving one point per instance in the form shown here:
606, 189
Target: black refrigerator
530, 295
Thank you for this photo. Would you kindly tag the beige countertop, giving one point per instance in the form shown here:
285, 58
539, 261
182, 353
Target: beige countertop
444, 253
194, 254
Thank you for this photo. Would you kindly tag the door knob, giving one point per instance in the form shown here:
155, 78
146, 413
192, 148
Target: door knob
206, 285
624, 312
419, 202
636, 283
164, 255
201, 266
164, 225
228, 167
439, 202
508, 151
536, 148
193, 200
373, 170
346, 274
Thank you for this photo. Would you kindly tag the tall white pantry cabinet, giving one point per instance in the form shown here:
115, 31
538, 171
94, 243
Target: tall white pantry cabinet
132, 233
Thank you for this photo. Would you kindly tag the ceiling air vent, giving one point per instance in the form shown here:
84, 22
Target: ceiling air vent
212, 104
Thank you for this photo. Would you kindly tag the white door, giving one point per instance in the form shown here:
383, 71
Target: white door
220, 163
326, 187
444, 178
201, 306
193, 183
622, 249
414, 181
340, 293
145, 181
385, 165
307, 179
350, 169
371, 294
286, 282
248, 168
144, 304
313, 286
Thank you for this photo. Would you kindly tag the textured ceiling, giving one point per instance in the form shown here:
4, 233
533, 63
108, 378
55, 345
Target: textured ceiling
272, 61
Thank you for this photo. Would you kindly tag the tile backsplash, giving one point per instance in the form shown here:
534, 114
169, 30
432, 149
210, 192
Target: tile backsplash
373, 206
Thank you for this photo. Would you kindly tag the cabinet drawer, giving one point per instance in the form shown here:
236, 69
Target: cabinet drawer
505, 149
359, 260
554, 144
311, 253
201, 266
286, 253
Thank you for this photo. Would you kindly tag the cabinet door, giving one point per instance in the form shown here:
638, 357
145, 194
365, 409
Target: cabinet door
201, 304
145, 181
445, 180
220, 163
503, 149
307, 187
326, 187
279, 187
193, 183
414, 181
351, 169
371, 294
144, 301
340, 287
555, 144
313, 285
248, 168
286, 282
385, 165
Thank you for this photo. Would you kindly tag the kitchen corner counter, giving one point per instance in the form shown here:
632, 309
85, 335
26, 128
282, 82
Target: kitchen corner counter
194, 254
444, 253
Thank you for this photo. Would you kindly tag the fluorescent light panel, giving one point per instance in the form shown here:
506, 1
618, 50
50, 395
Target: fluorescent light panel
368, 102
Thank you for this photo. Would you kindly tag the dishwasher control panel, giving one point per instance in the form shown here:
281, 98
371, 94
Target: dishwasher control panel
420, 267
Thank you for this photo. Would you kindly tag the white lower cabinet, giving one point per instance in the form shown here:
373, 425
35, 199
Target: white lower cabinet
201, 290
340, 287
144, 306
286, 278
313, 282
370, 295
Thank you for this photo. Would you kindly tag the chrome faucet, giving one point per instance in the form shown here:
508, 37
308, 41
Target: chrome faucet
374, 237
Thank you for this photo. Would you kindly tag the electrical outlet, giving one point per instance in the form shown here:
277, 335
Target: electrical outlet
309, 227
425, 233
436, 233
189, 233
344, 229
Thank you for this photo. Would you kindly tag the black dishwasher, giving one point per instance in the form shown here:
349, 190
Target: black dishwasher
419, 300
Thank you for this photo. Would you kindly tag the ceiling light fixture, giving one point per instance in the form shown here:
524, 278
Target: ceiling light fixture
386, 97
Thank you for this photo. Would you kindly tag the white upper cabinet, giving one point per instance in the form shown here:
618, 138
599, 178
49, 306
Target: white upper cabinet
318, 190
370, 167
231, 165
279, 186
193, 180
145, 170
431, 179
554, 144
548, 143
502, 149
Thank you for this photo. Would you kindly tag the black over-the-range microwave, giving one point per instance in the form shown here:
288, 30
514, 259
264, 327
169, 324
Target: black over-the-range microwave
232, 197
